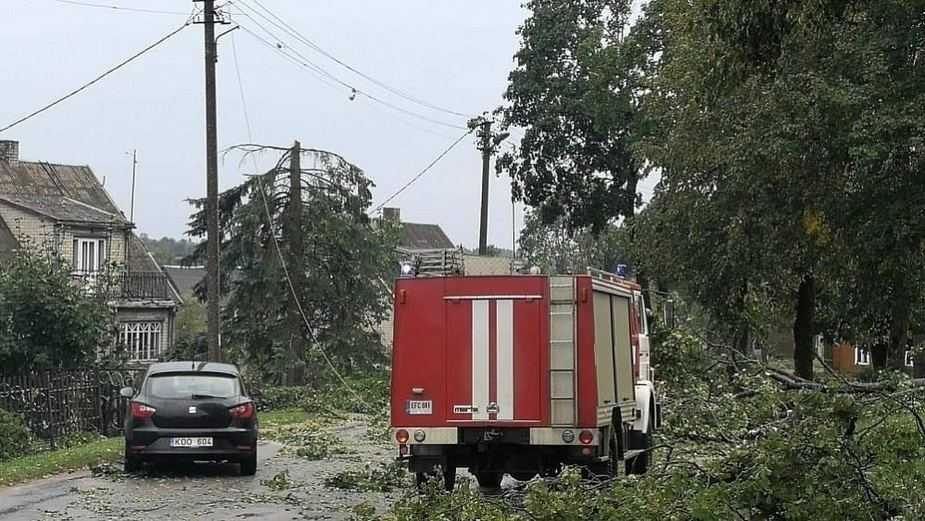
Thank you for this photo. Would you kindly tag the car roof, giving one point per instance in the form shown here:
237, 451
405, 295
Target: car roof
191, 366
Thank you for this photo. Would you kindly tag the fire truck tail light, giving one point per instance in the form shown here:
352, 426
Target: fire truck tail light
586, 437
586, 451
419, 436
568, 436
402, 450
401, 436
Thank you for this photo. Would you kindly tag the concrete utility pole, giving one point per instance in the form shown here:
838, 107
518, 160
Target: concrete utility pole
486, 160
295, 374
213, 283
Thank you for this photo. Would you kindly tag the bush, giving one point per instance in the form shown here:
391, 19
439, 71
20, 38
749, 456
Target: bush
14, 436
280, 397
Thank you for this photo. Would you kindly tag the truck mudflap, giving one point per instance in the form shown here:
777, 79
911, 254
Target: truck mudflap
647, 407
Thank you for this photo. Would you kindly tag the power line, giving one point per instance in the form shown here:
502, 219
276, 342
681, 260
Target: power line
286, 27
95, 80
301, 60
119, 8
422, 172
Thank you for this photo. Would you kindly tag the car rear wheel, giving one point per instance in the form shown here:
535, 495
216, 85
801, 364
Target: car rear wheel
132, 463
489, 479
249, 465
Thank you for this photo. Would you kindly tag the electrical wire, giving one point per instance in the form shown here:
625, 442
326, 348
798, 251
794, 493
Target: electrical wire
289, 29
422, 172
301, 60
97, 79
119, 8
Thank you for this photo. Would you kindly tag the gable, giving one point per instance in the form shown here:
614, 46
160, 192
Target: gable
8, 242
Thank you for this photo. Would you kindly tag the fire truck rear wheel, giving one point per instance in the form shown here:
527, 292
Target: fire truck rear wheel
449, 478
489, 479
640, 463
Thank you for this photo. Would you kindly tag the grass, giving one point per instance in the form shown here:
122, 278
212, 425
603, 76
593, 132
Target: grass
34, 466
280, 417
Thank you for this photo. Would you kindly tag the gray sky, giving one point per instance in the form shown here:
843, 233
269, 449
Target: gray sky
454, 54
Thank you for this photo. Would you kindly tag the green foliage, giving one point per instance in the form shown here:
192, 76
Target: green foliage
384, 477
46, 319
14, 436
346, 257
557, 248
574, 91
191, 325
168, 251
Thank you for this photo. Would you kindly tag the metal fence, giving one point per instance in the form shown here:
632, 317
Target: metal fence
57, 403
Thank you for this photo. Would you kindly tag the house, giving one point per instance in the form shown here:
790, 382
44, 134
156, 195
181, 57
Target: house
64, 210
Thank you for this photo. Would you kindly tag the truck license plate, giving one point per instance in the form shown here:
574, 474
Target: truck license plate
419, 407
190, 443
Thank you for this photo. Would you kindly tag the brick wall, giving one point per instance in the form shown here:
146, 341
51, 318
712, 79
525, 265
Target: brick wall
44, 234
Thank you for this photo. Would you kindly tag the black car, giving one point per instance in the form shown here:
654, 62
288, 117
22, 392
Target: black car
196, 411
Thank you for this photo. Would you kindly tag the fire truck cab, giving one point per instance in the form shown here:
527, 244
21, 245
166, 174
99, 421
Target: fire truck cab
521, 374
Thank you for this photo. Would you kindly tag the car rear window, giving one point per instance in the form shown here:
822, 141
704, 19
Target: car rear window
193, 386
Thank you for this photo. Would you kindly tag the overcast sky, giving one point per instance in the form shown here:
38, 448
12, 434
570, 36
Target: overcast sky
453, 54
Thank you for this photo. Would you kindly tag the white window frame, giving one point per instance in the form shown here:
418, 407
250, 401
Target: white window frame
909, 358
861, 356
89, 255
143, 339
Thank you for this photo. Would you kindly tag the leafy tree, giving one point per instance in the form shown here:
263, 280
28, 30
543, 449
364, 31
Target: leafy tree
46, 320
166, 250
346, 259
556, 248
574, 91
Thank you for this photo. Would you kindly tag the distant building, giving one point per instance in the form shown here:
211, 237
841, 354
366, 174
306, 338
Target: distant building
64, 210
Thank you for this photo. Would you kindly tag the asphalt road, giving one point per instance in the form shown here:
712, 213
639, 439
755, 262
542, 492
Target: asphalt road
201, 492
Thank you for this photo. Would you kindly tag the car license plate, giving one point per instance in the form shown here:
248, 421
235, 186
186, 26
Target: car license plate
190, 443
419, 407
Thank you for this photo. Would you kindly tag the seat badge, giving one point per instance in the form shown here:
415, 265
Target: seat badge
192, 410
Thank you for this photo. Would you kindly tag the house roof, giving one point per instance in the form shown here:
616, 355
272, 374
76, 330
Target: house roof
40, 180
185, 279
415, 236
61, 208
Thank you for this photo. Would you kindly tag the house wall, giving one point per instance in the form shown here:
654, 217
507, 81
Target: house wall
165, 315
44, 233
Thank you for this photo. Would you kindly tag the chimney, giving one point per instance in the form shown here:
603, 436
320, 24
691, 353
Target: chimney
392, 215
9, 151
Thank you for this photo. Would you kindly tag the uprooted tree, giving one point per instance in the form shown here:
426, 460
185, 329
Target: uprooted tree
320, 245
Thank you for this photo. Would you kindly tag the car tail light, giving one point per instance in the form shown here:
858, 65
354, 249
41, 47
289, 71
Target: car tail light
245, 411
401, 436
141, 411
586, 437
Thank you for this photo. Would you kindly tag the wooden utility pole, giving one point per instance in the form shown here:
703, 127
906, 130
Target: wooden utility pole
213, 283
295, 374
486, 159
131, 208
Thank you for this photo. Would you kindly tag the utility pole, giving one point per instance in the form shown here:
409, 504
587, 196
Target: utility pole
213, 284
295, 374
486, 159
131, 208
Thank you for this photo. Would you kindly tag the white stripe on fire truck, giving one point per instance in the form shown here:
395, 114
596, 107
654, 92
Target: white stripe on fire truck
504, 328
480, 366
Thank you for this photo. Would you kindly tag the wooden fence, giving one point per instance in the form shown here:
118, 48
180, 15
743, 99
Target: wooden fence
56, 403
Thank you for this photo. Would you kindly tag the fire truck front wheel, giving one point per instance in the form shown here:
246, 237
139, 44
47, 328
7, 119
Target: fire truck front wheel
489, 479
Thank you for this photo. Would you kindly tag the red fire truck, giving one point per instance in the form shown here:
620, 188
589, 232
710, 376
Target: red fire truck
521, 374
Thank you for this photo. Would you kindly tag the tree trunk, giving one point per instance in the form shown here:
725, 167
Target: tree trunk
803, 328
878, 355
899, 333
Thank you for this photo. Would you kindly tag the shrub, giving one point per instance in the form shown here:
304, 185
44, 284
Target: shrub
14, 436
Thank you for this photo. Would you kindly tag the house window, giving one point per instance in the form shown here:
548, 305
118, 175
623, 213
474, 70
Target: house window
89, 255
910, 358
142, 340
861, 356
